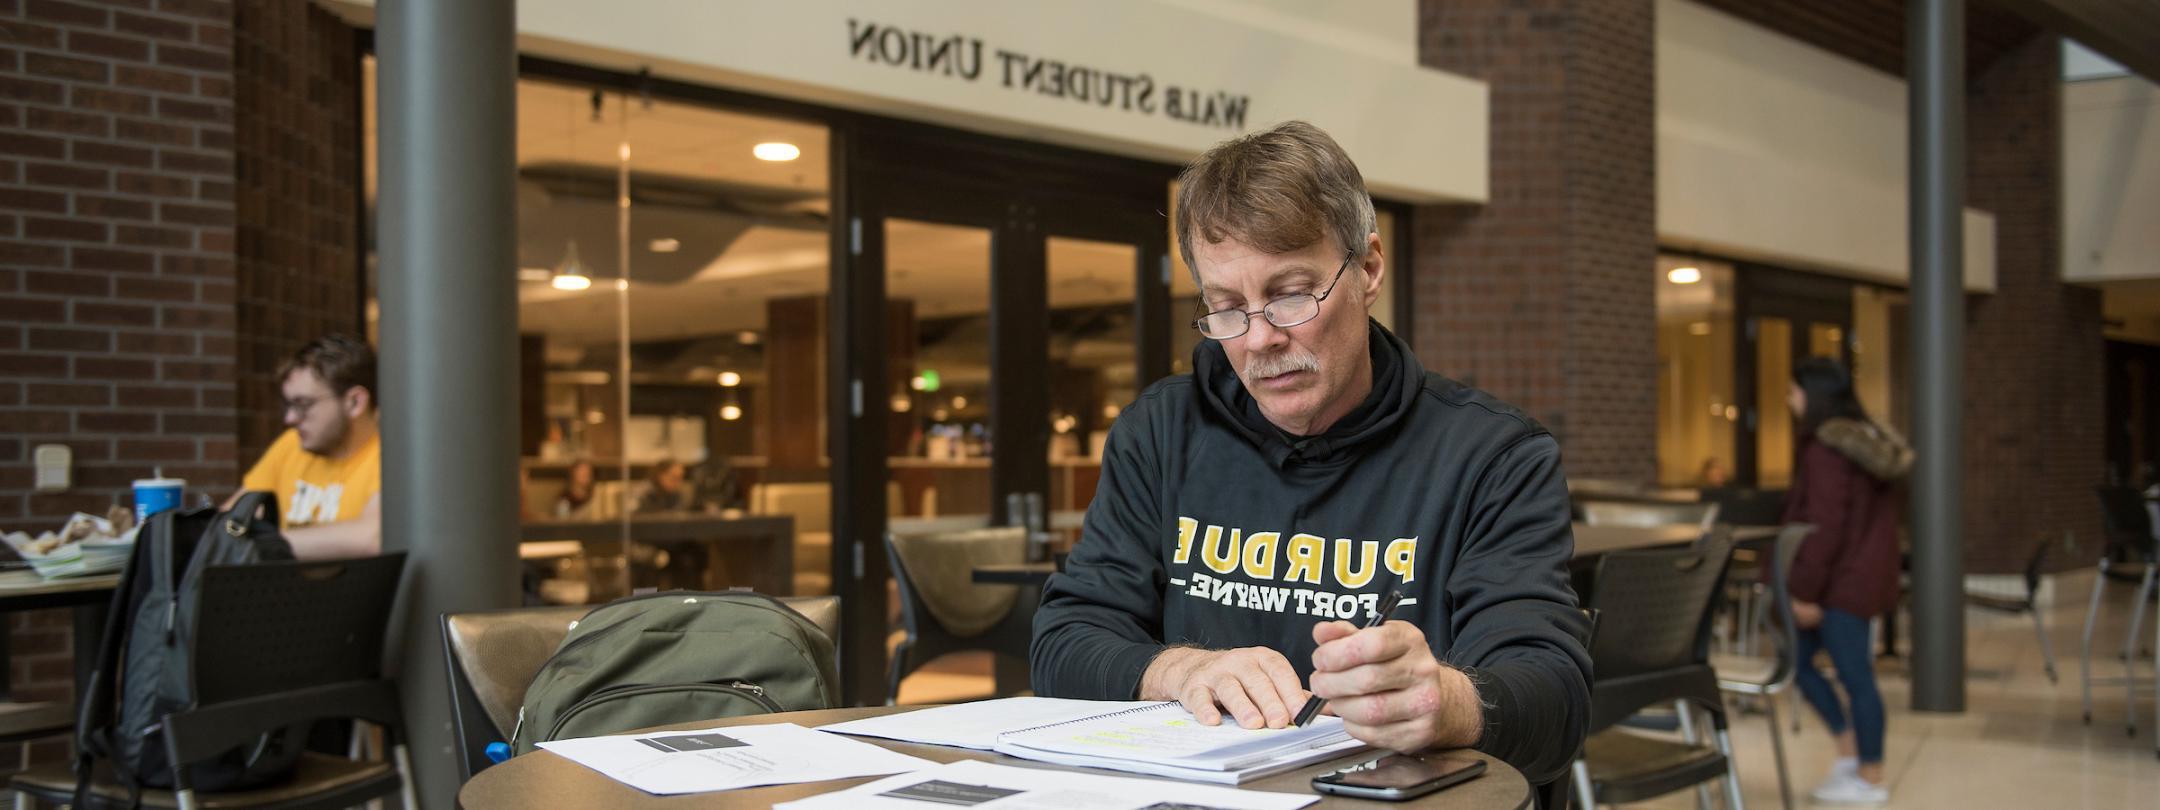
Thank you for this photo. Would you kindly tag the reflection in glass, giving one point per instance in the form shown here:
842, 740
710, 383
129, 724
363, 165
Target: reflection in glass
1696, 414
1773, 381
937, 288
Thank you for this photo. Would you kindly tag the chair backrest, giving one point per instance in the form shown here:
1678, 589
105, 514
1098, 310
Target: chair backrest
2128, 524
2034, 567
1778, 569
1655, 607
935, 572
493, 655
280, 626
1650, 515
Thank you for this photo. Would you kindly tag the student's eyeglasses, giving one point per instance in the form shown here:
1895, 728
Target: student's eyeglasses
1284, 312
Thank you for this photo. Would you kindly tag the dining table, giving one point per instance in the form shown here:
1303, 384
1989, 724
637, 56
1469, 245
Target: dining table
544, 779
88, 596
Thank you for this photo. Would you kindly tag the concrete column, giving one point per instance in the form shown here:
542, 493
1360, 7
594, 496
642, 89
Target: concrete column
448, 216
1935, 66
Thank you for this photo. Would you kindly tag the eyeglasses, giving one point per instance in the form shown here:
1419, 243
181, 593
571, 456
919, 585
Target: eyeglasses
1284, 312
302, 405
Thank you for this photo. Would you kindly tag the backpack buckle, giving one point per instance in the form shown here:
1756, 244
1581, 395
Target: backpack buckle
233, 527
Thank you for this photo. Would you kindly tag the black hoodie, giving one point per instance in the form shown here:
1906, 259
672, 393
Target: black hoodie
1211, 528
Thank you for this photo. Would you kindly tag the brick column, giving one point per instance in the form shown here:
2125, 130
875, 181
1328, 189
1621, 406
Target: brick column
116, 272
298, 112
2034, 355
1545, 295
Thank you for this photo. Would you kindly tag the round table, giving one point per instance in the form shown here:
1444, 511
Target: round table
542, 779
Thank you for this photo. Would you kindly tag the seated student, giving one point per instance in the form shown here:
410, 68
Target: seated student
327, 467
667, 491
1252, 513
576, 500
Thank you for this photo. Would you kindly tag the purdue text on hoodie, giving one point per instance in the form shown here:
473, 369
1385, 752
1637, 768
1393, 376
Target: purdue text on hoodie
1211, 528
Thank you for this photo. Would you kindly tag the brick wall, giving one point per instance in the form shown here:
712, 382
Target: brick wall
297, 92
2034, 353
1545, 295
116, 272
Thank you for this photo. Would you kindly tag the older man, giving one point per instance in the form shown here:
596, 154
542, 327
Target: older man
1250, 515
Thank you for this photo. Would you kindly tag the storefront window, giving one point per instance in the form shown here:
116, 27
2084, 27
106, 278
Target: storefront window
668, 255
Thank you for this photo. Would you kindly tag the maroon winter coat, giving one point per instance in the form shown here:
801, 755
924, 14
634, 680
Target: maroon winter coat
1850, 562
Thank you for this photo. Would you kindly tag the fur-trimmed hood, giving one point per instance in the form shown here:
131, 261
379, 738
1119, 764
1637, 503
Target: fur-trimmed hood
1877, 449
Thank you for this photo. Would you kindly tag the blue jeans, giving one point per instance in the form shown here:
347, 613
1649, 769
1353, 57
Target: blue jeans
1852, 651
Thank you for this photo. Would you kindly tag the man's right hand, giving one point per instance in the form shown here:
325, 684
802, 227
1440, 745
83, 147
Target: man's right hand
1256, 685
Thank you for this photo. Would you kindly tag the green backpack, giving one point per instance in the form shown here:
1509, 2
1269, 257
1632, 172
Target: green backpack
677, 657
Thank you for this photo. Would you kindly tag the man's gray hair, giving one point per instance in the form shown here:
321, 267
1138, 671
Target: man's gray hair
1280, 189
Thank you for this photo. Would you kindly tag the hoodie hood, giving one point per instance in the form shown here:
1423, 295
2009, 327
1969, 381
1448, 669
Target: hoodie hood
1878, 450
1396, 379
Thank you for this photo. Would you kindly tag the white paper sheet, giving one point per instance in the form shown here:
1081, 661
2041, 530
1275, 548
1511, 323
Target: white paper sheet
981, 784
977, 725
672, 762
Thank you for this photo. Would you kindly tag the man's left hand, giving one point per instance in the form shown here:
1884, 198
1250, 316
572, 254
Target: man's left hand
1390, 691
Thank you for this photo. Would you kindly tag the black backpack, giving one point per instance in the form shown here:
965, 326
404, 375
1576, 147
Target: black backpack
145, 665
661, 658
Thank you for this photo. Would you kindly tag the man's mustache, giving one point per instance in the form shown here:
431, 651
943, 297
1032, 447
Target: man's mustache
1276, 365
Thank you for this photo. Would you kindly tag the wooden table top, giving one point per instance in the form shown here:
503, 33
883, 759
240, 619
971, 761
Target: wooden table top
21, 585
542, 779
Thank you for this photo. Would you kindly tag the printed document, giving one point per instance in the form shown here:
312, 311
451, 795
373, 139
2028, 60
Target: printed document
977, 725
973, 783
670, 762
1164, 739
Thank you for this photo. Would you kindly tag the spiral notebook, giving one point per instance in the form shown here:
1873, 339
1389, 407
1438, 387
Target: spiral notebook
1163, 739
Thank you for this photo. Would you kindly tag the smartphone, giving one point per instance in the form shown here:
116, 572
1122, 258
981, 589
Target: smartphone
1399, 777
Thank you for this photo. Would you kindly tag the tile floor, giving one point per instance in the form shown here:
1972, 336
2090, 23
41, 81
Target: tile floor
2020, 743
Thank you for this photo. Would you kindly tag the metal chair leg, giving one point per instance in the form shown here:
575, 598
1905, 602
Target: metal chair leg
1777, 749
1585, 796
406, 792
1686, 715
2047, 650
2130, 657
1732, 771
2092, 613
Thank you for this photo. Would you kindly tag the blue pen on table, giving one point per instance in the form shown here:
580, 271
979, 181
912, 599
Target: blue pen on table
1379, 617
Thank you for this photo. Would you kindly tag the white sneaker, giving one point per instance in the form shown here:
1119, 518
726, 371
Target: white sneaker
1850, 789
1845, 766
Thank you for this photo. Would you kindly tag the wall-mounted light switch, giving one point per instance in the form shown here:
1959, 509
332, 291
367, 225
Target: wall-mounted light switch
54, 461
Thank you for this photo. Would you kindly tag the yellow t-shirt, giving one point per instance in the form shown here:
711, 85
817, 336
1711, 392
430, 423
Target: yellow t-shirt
314, 489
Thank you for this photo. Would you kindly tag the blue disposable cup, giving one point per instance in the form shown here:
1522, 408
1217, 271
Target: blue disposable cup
154, 495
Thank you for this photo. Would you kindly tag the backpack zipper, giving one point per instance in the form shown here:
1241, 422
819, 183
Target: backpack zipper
754, 692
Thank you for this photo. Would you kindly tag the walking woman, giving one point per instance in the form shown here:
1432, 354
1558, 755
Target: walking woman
1847, 571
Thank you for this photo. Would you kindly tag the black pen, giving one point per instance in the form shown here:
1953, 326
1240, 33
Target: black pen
1379, 617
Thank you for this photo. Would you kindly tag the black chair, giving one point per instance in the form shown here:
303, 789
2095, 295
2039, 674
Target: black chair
492, 655
277, 645
2029, 604
944, 612
1652, 648
2130, 539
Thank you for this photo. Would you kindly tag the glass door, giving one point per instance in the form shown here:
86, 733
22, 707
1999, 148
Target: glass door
1789, 317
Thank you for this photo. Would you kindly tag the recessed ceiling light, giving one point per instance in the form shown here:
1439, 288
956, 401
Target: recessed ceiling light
1684, 275
731, 412
572, 281
665, 244
730, 379
776, 151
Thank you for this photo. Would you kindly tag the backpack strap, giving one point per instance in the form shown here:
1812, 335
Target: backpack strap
252, 505
94, 715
